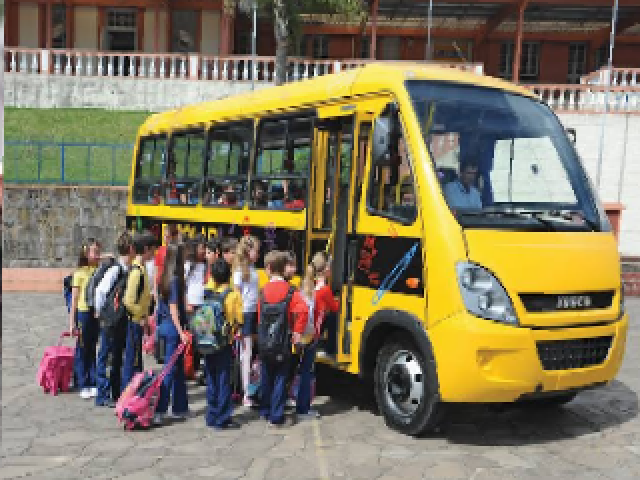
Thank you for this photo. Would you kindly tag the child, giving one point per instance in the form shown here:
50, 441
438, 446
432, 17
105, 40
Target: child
275, 373
214, 252
229, 246
172, 319
246, 282
218, 364
195, 270
112, 342
291, 267
81, 317
319, 271
137, 301
327, 306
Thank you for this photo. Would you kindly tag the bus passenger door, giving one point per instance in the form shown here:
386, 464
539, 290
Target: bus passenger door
331, 196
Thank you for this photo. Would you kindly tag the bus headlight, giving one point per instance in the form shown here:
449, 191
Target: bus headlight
483, 294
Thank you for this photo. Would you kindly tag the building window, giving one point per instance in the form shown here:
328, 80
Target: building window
577, 62
58, 26
365, 47
529, 61
320, 46
390, 48
602, 56
183, 31
121, 19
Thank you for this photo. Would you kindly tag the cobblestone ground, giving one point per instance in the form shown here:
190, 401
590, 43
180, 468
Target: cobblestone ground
45, 437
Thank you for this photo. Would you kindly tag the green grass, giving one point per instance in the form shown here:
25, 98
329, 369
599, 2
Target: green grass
82, 164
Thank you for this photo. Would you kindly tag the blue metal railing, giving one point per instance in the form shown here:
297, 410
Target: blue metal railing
68, 163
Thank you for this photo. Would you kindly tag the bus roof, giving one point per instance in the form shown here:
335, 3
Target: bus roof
370, 78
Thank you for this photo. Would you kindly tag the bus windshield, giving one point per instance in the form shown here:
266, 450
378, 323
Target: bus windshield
503, 160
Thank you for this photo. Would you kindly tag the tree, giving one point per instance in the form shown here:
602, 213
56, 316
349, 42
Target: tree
286, 22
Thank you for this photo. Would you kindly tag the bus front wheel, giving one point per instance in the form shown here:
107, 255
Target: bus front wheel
405, 390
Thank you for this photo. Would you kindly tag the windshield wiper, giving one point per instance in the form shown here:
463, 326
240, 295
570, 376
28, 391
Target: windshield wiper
561, 214
521, 215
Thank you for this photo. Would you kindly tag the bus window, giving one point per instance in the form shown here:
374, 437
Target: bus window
147, 186
282, 164
391, 189
185, 168
228, 165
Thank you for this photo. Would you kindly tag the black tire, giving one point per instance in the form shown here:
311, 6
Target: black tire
555, 401
406, 388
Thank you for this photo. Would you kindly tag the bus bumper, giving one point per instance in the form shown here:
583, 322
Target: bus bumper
483, 361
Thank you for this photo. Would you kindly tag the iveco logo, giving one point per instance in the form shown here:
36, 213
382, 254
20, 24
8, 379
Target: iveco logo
573, 301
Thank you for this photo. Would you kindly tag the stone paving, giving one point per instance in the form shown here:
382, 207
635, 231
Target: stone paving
44, 437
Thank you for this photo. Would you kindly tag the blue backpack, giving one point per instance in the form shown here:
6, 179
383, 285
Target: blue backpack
211, 330
66, 291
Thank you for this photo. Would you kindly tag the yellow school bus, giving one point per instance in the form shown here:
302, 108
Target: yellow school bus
472, 257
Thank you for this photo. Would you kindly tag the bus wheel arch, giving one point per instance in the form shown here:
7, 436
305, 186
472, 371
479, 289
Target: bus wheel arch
396, 344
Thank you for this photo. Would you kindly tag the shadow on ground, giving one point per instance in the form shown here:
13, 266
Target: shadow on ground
498, 425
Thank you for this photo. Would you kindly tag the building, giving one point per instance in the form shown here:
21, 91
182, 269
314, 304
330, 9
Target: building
559, 41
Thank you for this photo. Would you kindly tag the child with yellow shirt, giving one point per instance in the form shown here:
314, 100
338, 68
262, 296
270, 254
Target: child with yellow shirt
81, 318
217, 366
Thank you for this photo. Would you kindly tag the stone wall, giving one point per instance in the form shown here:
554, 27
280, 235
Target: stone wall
119, 93
45, 226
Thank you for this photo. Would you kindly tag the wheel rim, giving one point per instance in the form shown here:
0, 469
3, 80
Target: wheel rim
404, 383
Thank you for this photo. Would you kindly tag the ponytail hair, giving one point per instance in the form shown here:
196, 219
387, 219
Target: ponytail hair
307, 286
241, 260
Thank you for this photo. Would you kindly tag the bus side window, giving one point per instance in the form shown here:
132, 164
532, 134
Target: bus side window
227, 169
185, 167
282, 164
391, 189
147, 187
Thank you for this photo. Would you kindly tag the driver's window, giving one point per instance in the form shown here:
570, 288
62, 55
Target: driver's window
391, 188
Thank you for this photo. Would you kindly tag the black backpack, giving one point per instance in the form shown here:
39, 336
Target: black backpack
114, 313
94, 281
274, 338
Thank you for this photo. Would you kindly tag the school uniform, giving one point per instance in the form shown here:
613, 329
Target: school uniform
174, 386
323, 303
112, 343
217, 366
275, 375
138, 308
85, 353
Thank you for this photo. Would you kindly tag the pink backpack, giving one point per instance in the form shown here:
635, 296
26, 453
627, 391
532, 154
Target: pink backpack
56, 367
137, 403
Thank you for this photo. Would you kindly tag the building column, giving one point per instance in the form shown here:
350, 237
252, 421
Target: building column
517, 50
226, 27
48, 27
69, 24
156, 33
374, 28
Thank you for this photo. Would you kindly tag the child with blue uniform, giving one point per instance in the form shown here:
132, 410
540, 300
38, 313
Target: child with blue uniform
172, 326
218, 365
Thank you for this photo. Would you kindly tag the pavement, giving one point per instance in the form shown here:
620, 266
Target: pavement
597, 436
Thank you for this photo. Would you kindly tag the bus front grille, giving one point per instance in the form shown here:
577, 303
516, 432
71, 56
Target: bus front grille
575, 353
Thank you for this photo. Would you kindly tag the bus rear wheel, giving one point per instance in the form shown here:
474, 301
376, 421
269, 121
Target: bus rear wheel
405, 390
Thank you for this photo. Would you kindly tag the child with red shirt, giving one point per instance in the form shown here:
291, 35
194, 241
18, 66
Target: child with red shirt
317, 277
275, 374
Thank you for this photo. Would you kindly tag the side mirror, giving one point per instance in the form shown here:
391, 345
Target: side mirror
572, 135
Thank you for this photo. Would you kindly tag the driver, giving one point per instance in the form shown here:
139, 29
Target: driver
461, 193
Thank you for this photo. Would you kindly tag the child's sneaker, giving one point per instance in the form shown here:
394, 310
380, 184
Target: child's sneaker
310, 415
158, 419
180, 416
291, 402
93, 392
85, 393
